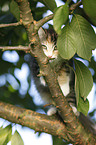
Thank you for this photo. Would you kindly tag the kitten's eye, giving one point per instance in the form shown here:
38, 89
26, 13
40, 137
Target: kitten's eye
44, 46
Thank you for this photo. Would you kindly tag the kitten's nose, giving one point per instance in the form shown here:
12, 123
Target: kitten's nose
50, 56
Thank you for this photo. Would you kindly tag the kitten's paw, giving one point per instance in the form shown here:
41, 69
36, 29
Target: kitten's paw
52, 111
75, 110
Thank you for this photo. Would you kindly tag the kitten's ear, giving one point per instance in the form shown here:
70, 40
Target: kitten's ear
42, 34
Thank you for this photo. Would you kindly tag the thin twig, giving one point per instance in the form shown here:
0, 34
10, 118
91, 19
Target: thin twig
24, 48
43, 21
9, 25
74, 6
47, 18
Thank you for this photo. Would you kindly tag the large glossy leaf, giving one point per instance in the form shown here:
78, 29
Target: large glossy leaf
16, 139
65, 43
90, 9
85, 38
83, 106
60, 17
92, 65
5, 134
84, 81
78, 37
93, 21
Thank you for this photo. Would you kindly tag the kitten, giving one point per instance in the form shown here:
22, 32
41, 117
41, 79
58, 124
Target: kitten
65, 79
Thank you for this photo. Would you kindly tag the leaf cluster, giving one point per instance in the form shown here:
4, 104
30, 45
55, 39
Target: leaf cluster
76, 36
6, 136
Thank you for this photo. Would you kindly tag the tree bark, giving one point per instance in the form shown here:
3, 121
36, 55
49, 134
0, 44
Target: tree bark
38, 122
74, 128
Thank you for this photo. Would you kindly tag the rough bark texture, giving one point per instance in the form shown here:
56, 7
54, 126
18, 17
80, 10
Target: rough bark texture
77, 132
34, 120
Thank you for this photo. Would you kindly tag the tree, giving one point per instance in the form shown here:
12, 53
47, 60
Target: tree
19, 32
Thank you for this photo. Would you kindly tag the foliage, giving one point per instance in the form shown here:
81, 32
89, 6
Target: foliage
16, 139
59, 18
89, 8
6, 136
76, 38
84, 79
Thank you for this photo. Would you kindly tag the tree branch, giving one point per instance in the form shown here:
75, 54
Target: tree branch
40, 22
24, 48
9, 25
78, 133
47, 18
33, 120
74, 6
43, 21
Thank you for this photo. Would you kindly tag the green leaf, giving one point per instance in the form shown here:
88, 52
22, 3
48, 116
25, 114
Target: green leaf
84, 81
93, 21
15, 10
57, 141
16, 139
92, 65
65, 43
89, 7
60, 17
50, 4
83, 106
78, 37
5, 135
85, 38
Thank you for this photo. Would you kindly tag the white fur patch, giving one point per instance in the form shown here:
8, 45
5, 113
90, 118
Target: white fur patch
65, 88
42, 81
64, 80
52, 111
75, 110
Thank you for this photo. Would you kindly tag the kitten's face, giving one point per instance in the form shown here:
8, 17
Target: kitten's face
49, 46
49, 49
